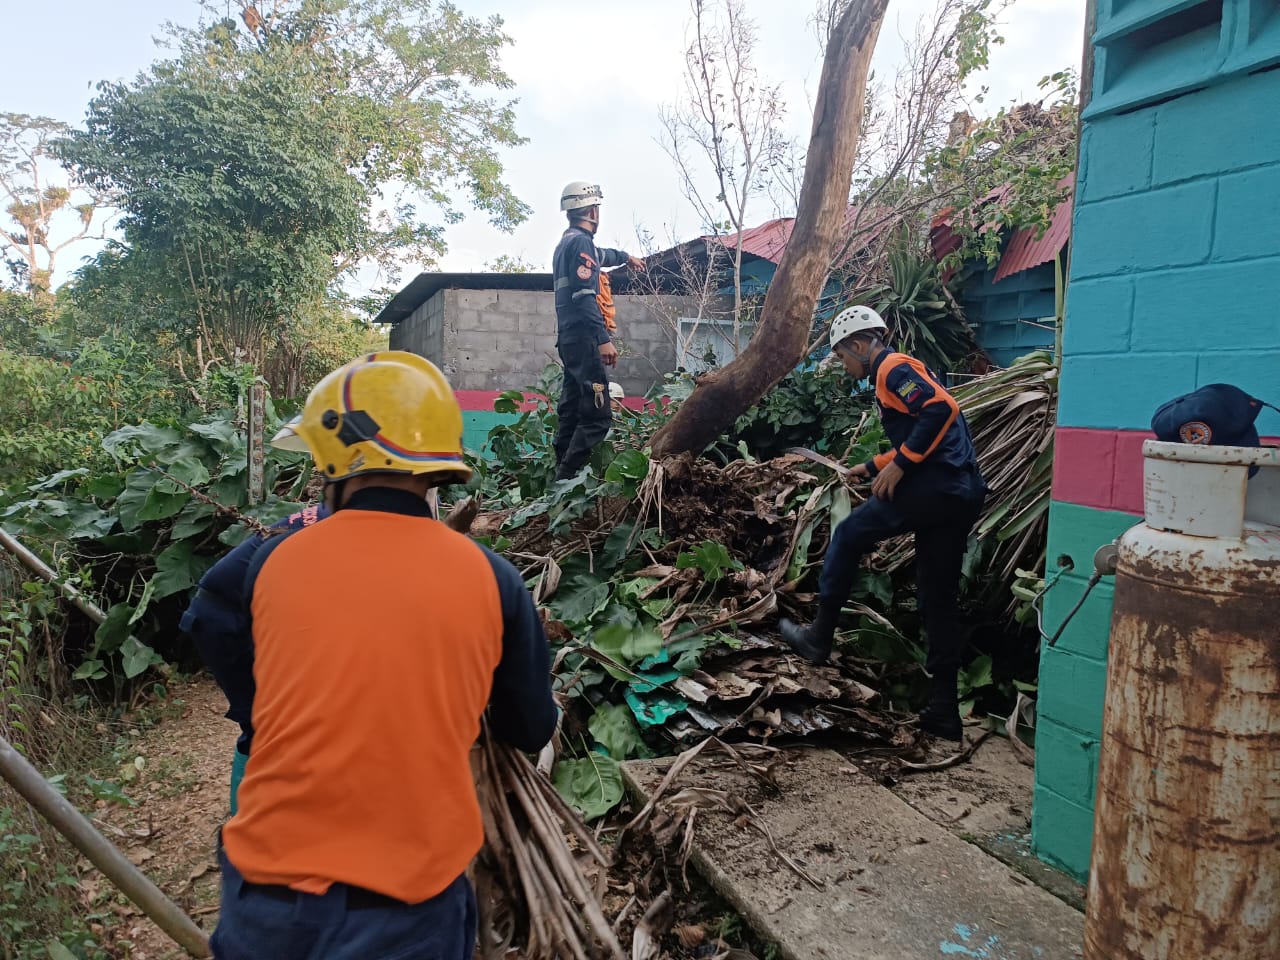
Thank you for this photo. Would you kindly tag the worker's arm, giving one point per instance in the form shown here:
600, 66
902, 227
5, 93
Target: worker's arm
522, 710
583, 269
218, 623
612, 258
909, 388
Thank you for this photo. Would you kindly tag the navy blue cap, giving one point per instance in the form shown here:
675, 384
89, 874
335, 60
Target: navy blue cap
1218, 413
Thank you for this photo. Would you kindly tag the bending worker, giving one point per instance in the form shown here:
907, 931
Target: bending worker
582, 339
379, 639
928, 484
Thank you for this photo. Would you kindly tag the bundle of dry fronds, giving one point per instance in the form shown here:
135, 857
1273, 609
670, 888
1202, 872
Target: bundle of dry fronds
534, 878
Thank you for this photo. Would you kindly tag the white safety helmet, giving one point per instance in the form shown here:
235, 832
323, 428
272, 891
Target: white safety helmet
616, 392
580, 194
852, 320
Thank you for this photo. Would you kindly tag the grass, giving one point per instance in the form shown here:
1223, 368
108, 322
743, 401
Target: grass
82, 747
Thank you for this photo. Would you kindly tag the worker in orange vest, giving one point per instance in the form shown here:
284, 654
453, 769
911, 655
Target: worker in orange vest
379, 639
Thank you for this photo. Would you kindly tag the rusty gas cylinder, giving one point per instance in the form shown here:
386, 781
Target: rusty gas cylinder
1186, 846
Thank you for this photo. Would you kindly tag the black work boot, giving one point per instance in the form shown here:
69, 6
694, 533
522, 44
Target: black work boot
941, 718
814, 641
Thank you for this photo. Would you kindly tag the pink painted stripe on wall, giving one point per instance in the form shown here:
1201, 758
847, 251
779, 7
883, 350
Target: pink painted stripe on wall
1101, 468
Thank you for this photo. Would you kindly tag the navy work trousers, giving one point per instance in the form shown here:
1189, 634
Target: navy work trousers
941, 523
276, 923
585, 410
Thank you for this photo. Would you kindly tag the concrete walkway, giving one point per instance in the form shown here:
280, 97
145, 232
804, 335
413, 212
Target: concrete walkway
896, 886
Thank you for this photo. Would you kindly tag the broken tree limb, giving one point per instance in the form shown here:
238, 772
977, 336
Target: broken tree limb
72, 824
48, 574
951, 761
787, 315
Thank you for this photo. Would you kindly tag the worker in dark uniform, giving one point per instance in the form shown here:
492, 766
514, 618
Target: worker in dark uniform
379, 639
217, 621
927, 484
581, 336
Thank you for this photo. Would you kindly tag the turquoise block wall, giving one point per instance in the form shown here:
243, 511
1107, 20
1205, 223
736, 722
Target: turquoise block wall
1176, 247
1002, 314
476, 425
1072, 688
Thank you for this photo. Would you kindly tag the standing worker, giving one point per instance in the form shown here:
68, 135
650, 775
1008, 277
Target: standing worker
582, 338
928, 484
380, 637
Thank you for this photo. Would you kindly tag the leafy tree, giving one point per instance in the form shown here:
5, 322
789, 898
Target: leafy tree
266, 160
1009, 171
44, 217
509, 263
729, 120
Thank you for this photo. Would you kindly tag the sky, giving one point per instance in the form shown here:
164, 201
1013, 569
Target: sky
590, 116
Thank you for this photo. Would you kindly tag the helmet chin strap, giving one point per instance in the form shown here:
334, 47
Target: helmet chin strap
338, 487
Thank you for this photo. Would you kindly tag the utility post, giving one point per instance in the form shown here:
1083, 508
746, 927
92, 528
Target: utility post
257, 441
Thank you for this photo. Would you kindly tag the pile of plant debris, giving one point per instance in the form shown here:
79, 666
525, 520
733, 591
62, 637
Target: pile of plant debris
661, 583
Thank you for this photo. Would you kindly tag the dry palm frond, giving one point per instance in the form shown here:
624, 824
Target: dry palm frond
533, 888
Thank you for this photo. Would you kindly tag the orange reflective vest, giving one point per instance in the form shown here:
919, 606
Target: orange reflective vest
605, 299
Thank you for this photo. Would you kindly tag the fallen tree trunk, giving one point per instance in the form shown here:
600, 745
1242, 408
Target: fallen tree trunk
787, 314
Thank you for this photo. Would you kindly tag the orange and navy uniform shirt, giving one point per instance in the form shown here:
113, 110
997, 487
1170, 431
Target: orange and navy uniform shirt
217, 620
575, 267
921, 419
380, 637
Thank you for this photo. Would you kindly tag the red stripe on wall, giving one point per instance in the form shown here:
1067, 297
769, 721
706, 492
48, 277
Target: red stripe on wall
483, 400
1100, 468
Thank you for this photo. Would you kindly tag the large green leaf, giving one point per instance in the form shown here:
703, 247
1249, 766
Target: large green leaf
592, 785
178, 568
626, 644
186, 470
577, 600
113, 631
195, 519
874, 583
160, 505
617, 546
130, 442
221, 433
800, 556
136, 657
628, 465
613, 729
712, 558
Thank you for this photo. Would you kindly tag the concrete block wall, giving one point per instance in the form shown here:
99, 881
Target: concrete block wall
422, 332
491, 341
500, 340
1176, 250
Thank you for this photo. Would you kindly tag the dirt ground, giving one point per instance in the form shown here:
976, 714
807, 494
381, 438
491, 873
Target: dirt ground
181, 797
181, 800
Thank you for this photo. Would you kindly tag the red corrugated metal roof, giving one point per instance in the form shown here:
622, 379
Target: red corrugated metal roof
1023, 251
769, 240
1026, 251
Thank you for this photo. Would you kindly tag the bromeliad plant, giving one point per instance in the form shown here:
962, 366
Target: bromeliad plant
924, 319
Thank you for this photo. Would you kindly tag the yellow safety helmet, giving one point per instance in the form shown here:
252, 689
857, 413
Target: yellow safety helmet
388, 412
